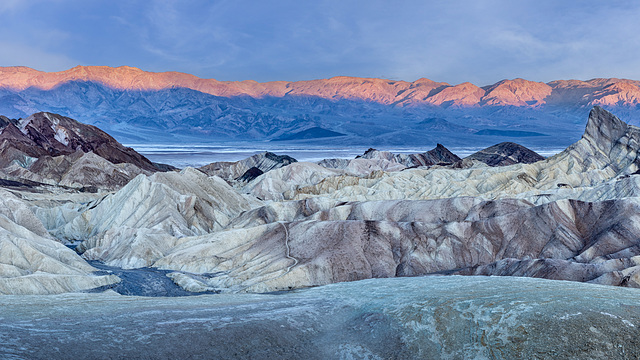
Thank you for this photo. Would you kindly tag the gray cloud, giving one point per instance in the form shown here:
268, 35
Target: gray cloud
453, 41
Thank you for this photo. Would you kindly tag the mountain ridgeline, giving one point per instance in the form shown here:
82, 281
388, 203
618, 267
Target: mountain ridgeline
173, 106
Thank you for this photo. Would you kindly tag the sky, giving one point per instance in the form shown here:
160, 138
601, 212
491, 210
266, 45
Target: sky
452, 41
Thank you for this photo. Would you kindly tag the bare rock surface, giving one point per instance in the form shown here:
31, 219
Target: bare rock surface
608, 149
423, 317
135, 225
272, 185
414, 238
77, 170
438, 155
51, 134
56, 150
362, 166
264, 162
31, 262
506, 153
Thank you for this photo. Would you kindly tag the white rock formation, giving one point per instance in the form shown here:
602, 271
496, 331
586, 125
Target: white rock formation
607, 149
573, 216
362, 166
133, 227
33, 263
272, 185
230, 171
406, 238
77, 170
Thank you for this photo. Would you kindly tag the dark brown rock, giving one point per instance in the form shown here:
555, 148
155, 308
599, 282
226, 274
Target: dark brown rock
506, 153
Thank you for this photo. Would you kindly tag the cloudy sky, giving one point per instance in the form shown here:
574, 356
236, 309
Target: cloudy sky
453, 41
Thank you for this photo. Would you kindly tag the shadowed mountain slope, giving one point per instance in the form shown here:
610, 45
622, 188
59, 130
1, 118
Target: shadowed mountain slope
138, 106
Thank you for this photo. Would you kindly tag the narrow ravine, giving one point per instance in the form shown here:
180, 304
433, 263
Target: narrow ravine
141, 282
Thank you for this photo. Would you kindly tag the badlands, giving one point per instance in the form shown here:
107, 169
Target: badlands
270, 224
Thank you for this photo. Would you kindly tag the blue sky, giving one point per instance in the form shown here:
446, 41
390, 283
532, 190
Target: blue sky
452, 41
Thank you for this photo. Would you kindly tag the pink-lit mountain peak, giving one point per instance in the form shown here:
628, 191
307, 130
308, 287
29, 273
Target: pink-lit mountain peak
517, 92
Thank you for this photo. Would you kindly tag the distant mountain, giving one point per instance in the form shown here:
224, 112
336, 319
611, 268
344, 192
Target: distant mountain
312, 133
439, 124
512, 133
138, 106
517, 92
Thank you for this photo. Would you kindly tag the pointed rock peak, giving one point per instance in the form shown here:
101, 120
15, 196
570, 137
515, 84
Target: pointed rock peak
603, 127
4, 121
442, 155
506, 153
442, 149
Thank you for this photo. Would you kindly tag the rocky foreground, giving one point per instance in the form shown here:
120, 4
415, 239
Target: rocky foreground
423, 317
272, 223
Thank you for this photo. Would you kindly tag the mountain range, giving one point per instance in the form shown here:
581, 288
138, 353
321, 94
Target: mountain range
138, 106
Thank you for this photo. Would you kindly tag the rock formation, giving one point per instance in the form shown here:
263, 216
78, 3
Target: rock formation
387, 239
360, 166
51, 134
31, 262
53, 149
570, 217
440, 155
607, 150
137, 224
506, 153
318, 241
237, 170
